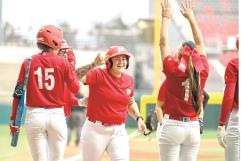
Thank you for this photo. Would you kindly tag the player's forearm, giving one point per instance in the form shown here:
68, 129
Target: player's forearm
164, 32
197, 35
164, 37
133, 110
227, 103
159, 114
225, 111
82, 71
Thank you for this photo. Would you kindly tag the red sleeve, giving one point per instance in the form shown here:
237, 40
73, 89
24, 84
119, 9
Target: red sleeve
204, 73
22, 72
71, 79
169, 65
73, 100
162, 91
69, 100
17, 100
231, 77
94, 76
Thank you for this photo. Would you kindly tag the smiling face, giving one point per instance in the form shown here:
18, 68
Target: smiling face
119, 65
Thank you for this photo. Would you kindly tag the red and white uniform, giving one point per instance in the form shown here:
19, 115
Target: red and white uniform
230, 106
46, 78
175, 88
230, 98
109, 96
179, 135
70, 100
162, 92
107, 111
45, 121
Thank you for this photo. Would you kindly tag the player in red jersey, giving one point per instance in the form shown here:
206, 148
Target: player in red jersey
161, 102
74, 107
70, 99
230, 139
111, 98
186, 74
45, 120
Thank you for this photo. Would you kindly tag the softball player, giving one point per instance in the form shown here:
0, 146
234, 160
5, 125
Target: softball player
160, 106
74, 110
70, 100
186, 73
111, 97
230, 139
45, 120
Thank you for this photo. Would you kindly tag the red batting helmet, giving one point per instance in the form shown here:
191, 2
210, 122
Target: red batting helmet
115, 51
51, 36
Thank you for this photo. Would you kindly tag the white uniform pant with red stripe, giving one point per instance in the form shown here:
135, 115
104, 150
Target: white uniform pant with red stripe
232, 149
46, 131
178, 141
96, 139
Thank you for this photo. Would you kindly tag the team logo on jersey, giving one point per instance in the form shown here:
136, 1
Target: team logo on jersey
128, 91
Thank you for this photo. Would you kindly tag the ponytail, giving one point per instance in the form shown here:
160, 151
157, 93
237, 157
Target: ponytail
194, 82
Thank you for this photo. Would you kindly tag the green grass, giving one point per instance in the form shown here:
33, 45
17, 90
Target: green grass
7, 152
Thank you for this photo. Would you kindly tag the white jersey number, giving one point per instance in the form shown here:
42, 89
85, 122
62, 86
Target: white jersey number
48, 73
186, 89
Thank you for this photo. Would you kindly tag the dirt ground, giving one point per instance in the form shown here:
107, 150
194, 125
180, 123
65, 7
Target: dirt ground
137, 152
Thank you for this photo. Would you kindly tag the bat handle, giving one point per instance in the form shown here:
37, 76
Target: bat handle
14, 140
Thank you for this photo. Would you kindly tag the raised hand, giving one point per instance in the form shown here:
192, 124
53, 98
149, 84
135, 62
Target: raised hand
186, 9
166, 9
99, 60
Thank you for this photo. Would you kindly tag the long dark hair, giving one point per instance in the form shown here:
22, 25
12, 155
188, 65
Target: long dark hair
194, 80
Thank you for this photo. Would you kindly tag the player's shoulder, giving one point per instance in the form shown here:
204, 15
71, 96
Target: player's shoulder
169, 58
233, 64
99, 70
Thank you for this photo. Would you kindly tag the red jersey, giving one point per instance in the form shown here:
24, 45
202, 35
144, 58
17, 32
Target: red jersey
109, 96
178, 102
162, 92
70, 100
46, 79
230, 98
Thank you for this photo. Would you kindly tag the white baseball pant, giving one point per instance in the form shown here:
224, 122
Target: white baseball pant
232, 149
96, 139
178, 141
46, 131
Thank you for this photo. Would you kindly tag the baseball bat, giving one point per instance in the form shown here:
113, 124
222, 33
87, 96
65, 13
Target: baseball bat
17, 121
